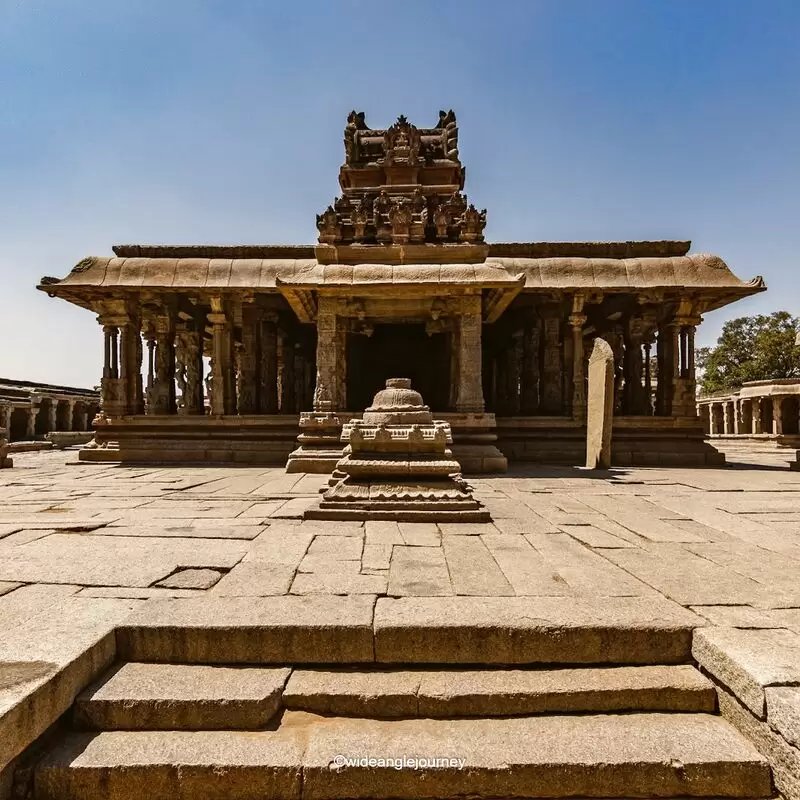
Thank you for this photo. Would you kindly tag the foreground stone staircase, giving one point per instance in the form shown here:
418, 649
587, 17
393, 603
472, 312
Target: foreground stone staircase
148, 730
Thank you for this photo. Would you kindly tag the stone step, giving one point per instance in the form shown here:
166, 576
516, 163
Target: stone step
295, 629
181, 697
630, 755
498, 692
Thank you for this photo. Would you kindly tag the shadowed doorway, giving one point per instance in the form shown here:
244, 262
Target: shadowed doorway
398, 351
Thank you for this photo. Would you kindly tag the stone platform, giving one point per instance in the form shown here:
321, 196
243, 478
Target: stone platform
639, 567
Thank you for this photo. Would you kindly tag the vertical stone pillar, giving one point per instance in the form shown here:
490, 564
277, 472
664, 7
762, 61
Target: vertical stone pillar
163, 397
529, 400
248, 371
223, 399
727, 422
737, 417
30, 426
777, 416
756, 414
577, 320
328, 394
52, 415
113, 391
268, 400
470, 383
550, 394
455, 370
648, 379
130, 364
288, 377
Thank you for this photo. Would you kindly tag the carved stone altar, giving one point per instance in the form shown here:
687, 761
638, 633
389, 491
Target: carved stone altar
397, 466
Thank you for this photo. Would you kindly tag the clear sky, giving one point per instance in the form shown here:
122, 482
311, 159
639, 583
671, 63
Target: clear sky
220, 121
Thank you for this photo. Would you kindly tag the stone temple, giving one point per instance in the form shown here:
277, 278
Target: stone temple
251, 353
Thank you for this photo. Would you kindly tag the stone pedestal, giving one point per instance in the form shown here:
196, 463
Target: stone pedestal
397, 466
319, 443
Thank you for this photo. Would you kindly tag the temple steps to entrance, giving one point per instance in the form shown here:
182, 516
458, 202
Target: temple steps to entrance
498, 692
139, 696
630, 755
297, 629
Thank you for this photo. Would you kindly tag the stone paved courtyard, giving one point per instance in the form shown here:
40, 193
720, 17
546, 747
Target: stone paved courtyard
99, 563
725, 543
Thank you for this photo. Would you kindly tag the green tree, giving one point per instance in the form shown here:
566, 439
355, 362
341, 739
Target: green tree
751, 349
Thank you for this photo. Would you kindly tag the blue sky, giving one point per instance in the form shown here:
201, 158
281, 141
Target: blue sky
189, 121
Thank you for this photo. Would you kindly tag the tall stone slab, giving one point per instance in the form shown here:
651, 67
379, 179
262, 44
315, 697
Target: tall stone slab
600, 406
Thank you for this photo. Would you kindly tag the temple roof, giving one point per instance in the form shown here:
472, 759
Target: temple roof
703, 273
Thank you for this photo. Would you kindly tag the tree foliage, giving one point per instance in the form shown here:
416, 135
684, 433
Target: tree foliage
751, 349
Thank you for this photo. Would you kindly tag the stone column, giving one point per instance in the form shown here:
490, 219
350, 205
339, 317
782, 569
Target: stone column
113, 397
577, 321
150, 336
269, 364
52, 415
248, 372
223, 400
777, 416
163, 399
550, 395
288, 378
737, 417
331, 367
755, 405
30, 427
470, 383
726, 417
529, 400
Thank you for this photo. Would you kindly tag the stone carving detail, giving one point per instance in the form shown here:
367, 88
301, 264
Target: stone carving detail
399, 185
397, 465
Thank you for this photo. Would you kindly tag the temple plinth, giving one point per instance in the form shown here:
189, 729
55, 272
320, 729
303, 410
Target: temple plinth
397, 466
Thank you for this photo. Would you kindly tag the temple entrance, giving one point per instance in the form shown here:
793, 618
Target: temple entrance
398, 351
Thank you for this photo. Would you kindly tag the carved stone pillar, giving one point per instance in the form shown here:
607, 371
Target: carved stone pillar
113, 398
52, 415
727, 421
470, 383
269, 364
577, 320
777, 416
189, 372
288, 381
756, 412
331, 367
30, 422
529, 395
685, 380
248, 372
635, 394
551, 394
223, 399
130, 363
162, 393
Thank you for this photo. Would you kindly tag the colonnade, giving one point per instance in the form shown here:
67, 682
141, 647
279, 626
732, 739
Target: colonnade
775, 415
220, 359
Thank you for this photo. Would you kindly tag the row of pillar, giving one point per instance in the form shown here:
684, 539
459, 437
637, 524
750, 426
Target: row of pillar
77, 417
776, 415
540, 367
243, 375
